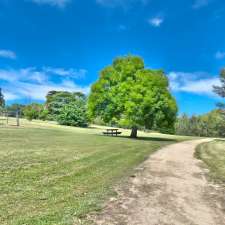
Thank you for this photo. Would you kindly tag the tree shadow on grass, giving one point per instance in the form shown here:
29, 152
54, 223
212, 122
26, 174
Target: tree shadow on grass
148, 138
143, 138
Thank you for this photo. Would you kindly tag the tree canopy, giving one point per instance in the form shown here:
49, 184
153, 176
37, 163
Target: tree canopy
56, 100
73, 114
68, 108
220, 90
208, 125
130, 95
2, 100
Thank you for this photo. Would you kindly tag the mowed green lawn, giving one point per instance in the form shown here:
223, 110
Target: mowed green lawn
52, 174
213, 154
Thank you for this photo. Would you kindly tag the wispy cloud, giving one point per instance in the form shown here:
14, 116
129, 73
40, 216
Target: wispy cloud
57, 3
156, 21
220, 55
72, 73
31, 83
27, 74
121, 3
197, 83
200, 3
7, 54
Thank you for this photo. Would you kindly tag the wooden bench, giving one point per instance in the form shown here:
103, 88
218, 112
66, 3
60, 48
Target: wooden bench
112, 132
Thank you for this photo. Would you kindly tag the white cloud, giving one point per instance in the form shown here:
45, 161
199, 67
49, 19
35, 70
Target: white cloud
26, 74
7, 54
31, 83
39, 91
57, 3
156, 21
196, 83
220, 55
200, 3
81, 73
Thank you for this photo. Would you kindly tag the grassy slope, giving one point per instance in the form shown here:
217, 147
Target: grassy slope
53, 174
213, 154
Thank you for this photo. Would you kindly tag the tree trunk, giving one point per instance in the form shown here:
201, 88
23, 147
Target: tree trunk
134, 132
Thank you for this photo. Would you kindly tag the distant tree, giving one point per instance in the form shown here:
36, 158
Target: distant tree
195, 125
130, 95
182, 125
2, 100
56, 100
208, 125
220, 90
74, 114
32, 111
68, 108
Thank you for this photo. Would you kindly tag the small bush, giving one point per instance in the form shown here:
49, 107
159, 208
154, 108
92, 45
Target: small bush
73, 114
32, 111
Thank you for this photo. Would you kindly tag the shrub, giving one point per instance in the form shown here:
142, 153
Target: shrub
32, 111
73, 114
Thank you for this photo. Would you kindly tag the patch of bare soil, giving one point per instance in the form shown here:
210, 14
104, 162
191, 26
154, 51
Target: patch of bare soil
169, 188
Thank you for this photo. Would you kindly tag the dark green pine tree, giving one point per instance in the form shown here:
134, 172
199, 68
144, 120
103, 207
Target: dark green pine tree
220, 90
2, 100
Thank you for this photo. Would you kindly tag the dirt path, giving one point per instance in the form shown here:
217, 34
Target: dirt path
167, 189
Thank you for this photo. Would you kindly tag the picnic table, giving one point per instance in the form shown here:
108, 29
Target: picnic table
112, 132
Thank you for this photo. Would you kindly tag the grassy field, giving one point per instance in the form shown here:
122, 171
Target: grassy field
213, 154
53, 174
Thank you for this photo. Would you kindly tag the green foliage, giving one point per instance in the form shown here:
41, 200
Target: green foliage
32, 111
220, 90
56, 100
67, 108
73, 114
209, 125
2, 100
129, 95
43, 114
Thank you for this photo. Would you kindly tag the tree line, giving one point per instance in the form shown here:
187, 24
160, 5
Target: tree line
64, 107
211, 124
127, 95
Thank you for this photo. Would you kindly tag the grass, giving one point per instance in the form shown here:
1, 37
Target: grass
53, 174
213, 155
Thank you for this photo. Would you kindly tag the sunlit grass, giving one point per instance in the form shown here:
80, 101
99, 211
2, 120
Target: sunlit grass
53, 174
213, 154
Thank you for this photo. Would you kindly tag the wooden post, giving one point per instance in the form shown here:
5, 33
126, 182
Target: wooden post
17, 118
7, 118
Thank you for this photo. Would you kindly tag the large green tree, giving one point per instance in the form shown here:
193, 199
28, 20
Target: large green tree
2, 100
130, 95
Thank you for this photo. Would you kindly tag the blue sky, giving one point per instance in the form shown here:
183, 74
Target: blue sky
63, 44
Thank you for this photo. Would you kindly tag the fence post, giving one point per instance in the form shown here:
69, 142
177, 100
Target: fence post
17, 118
7, 118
